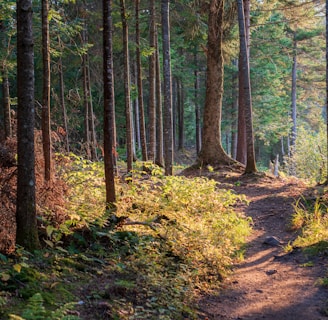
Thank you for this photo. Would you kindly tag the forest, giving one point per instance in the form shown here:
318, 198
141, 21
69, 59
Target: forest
152, 152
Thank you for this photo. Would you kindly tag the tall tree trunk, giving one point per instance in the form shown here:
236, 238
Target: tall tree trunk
46, 130
27, 232
109, 107
241, 154
212, 152
180, 110
168, 124
294, 79
234, 112
128, 113
92, 128
250, 161
141, 108
6, 105
197, 108
86, 97
159, 112
152, 84
62, 102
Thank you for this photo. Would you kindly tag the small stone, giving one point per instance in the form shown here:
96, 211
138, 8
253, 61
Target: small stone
271, 272
272, 241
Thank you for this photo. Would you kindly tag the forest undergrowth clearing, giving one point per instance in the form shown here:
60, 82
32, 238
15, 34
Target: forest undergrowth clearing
157, 269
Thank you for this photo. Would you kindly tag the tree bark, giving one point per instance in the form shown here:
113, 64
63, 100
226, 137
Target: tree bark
159, 112
152, 84
241, 154
212, 152
197, 108
109, 105
141, 108
86, 97
250, 161
27, 232
128, 113
46, 130
180, 111
168, 124
234, 112
294, 91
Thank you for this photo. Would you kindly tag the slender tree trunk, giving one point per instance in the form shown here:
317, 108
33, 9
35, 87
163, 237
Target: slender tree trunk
140, 89
27, 232
234, 112
46, 130
294, 79
241, 154
241, 134
159, 112
128, 113
250, 161
152, 84
6, 105
62, 102
92, 128
136, 113
85, 97
168, 124
109, 107
212, 152
197, 108
174, 110
180, 105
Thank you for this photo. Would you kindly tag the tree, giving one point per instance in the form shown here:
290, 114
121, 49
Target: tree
109, 106
27, 232
152, 84
212, 152
46, 130
167, 119
140, 88
159, 112
250, 160
241, 155
128, 113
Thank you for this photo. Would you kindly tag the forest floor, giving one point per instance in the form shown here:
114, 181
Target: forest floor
270, 283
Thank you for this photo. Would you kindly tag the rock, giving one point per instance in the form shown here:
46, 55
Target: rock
272, 241
271, 272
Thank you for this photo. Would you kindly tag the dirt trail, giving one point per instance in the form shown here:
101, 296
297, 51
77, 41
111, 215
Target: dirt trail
270, 284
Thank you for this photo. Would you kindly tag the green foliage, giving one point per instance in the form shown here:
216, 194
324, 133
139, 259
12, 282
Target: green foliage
197, 219
35, 310
312, 220
309, 156
171, 237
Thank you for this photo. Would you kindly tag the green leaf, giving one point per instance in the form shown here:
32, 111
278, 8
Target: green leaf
17, 267
49, 243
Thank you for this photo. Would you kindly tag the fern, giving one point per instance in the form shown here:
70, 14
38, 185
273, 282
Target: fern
35, 310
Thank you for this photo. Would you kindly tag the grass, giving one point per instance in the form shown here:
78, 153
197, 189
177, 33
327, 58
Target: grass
178, 237
311, 220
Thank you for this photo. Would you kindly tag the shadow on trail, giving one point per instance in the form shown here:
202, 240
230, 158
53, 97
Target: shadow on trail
270, 284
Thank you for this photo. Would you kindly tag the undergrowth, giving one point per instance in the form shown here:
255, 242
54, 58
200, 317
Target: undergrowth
312, 221
170, 238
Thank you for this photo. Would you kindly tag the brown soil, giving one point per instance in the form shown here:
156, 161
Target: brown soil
269, 283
